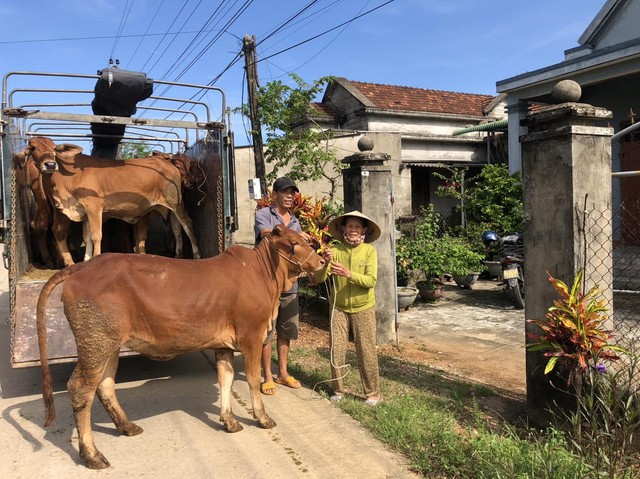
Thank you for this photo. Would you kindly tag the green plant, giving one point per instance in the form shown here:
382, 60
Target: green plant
606, 417
573, 330
303, 152
435, 254
490, 200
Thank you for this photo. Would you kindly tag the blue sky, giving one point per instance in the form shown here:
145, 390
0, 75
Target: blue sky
455, 45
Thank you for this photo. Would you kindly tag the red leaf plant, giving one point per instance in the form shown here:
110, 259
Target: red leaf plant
313, 215
573, 330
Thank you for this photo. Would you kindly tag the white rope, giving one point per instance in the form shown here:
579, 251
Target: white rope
331, 338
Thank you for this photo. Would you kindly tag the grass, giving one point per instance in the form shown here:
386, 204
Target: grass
439, 423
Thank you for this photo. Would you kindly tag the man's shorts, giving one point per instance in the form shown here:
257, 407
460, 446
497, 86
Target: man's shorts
288, 321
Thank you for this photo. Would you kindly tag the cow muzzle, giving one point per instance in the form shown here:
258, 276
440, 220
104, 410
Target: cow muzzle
49, 166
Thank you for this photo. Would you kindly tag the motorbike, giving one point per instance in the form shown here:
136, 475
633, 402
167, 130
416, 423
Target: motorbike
509, 251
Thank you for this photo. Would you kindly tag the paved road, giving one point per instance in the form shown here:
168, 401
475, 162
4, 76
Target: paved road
478, 331
176, 403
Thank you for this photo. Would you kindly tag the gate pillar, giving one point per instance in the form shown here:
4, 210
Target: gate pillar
367, 184
566, 165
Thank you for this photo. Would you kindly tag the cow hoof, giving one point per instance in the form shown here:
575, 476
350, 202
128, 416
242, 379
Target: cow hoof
98, 461
267, 424
231, 425
131, 429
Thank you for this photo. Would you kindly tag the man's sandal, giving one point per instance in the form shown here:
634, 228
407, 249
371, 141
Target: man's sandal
289, 381
268, 388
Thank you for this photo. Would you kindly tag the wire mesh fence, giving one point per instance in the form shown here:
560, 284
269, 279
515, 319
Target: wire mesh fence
612, 260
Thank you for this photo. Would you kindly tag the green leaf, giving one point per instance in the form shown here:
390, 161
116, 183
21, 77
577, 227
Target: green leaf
551, 364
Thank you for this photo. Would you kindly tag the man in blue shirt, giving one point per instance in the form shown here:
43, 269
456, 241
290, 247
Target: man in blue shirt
287, 323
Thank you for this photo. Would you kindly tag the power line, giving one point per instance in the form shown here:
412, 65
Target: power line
326, 31
107, 37
175, 19
200, 33
123, 21
293, 17
145, 33
328, 43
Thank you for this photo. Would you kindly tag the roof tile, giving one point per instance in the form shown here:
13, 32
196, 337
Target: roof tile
394, 97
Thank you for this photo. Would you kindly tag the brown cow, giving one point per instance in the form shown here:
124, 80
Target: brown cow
85, 187
163, 307
28, 173
192, 176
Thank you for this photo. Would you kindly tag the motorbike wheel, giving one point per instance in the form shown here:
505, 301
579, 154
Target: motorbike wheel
517, 294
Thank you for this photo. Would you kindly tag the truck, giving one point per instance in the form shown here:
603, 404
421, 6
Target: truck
104, 113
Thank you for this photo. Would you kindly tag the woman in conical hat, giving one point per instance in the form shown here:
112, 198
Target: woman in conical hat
352, 265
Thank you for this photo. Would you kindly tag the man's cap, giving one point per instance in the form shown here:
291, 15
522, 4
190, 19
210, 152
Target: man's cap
283, 183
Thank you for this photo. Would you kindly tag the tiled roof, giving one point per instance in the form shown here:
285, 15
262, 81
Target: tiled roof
393, 97
322, 109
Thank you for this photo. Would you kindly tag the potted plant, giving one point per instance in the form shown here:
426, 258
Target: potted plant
435, 254
465, 264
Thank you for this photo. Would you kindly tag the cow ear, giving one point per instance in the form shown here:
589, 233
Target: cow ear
19, 158
277, 230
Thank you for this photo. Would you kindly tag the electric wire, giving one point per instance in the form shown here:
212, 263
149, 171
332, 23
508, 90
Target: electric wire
319, 51
325, 32
123, 21
145, 34
198, 33
175, 19
286, 22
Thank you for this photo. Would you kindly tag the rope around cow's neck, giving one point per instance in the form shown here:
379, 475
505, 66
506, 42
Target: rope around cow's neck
53, 151
297, 263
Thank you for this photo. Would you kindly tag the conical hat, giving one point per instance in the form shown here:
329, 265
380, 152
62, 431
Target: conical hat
335, 226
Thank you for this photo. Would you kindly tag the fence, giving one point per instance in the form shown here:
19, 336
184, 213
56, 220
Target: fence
612, 253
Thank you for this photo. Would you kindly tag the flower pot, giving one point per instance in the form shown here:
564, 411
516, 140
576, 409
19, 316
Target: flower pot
494, 268
429, 291
466, 281
406, 297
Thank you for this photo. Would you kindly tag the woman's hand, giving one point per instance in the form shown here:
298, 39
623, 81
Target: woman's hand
327, 254
340, 270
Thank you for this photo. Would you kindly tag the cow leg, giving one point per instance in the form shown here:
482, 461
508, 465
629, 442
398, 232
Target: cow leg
186, 224
107, 395
86, 237
93, 207
60, 228
251, 360
82, 387
176, 229
140, 232
224, 365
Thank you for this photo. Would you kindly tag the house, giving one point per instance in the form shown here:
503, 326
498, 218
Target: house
419, 128
606, 65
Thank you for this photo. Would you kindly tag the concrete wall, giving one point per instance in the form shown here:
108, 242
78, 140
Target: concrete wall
345, 145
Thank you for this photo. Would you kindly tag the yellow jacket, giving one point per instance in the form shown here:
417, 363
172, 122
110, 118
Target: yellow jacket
356, 293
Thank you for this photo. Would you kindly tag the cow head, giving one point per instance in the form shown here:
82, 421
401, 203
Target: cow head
191, 174
299, 255
43, 152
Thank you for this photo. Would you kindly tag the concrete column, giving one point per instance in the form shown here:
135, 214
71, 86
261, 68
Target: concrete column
565, 156
517, 111
368, 188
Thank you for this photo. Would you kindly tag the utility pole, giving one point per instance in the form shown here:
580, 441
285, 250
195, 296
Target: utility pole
250, 58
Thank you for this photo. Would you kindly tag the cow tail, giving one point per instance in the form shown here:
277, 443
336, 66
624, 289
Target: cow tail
41, 322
